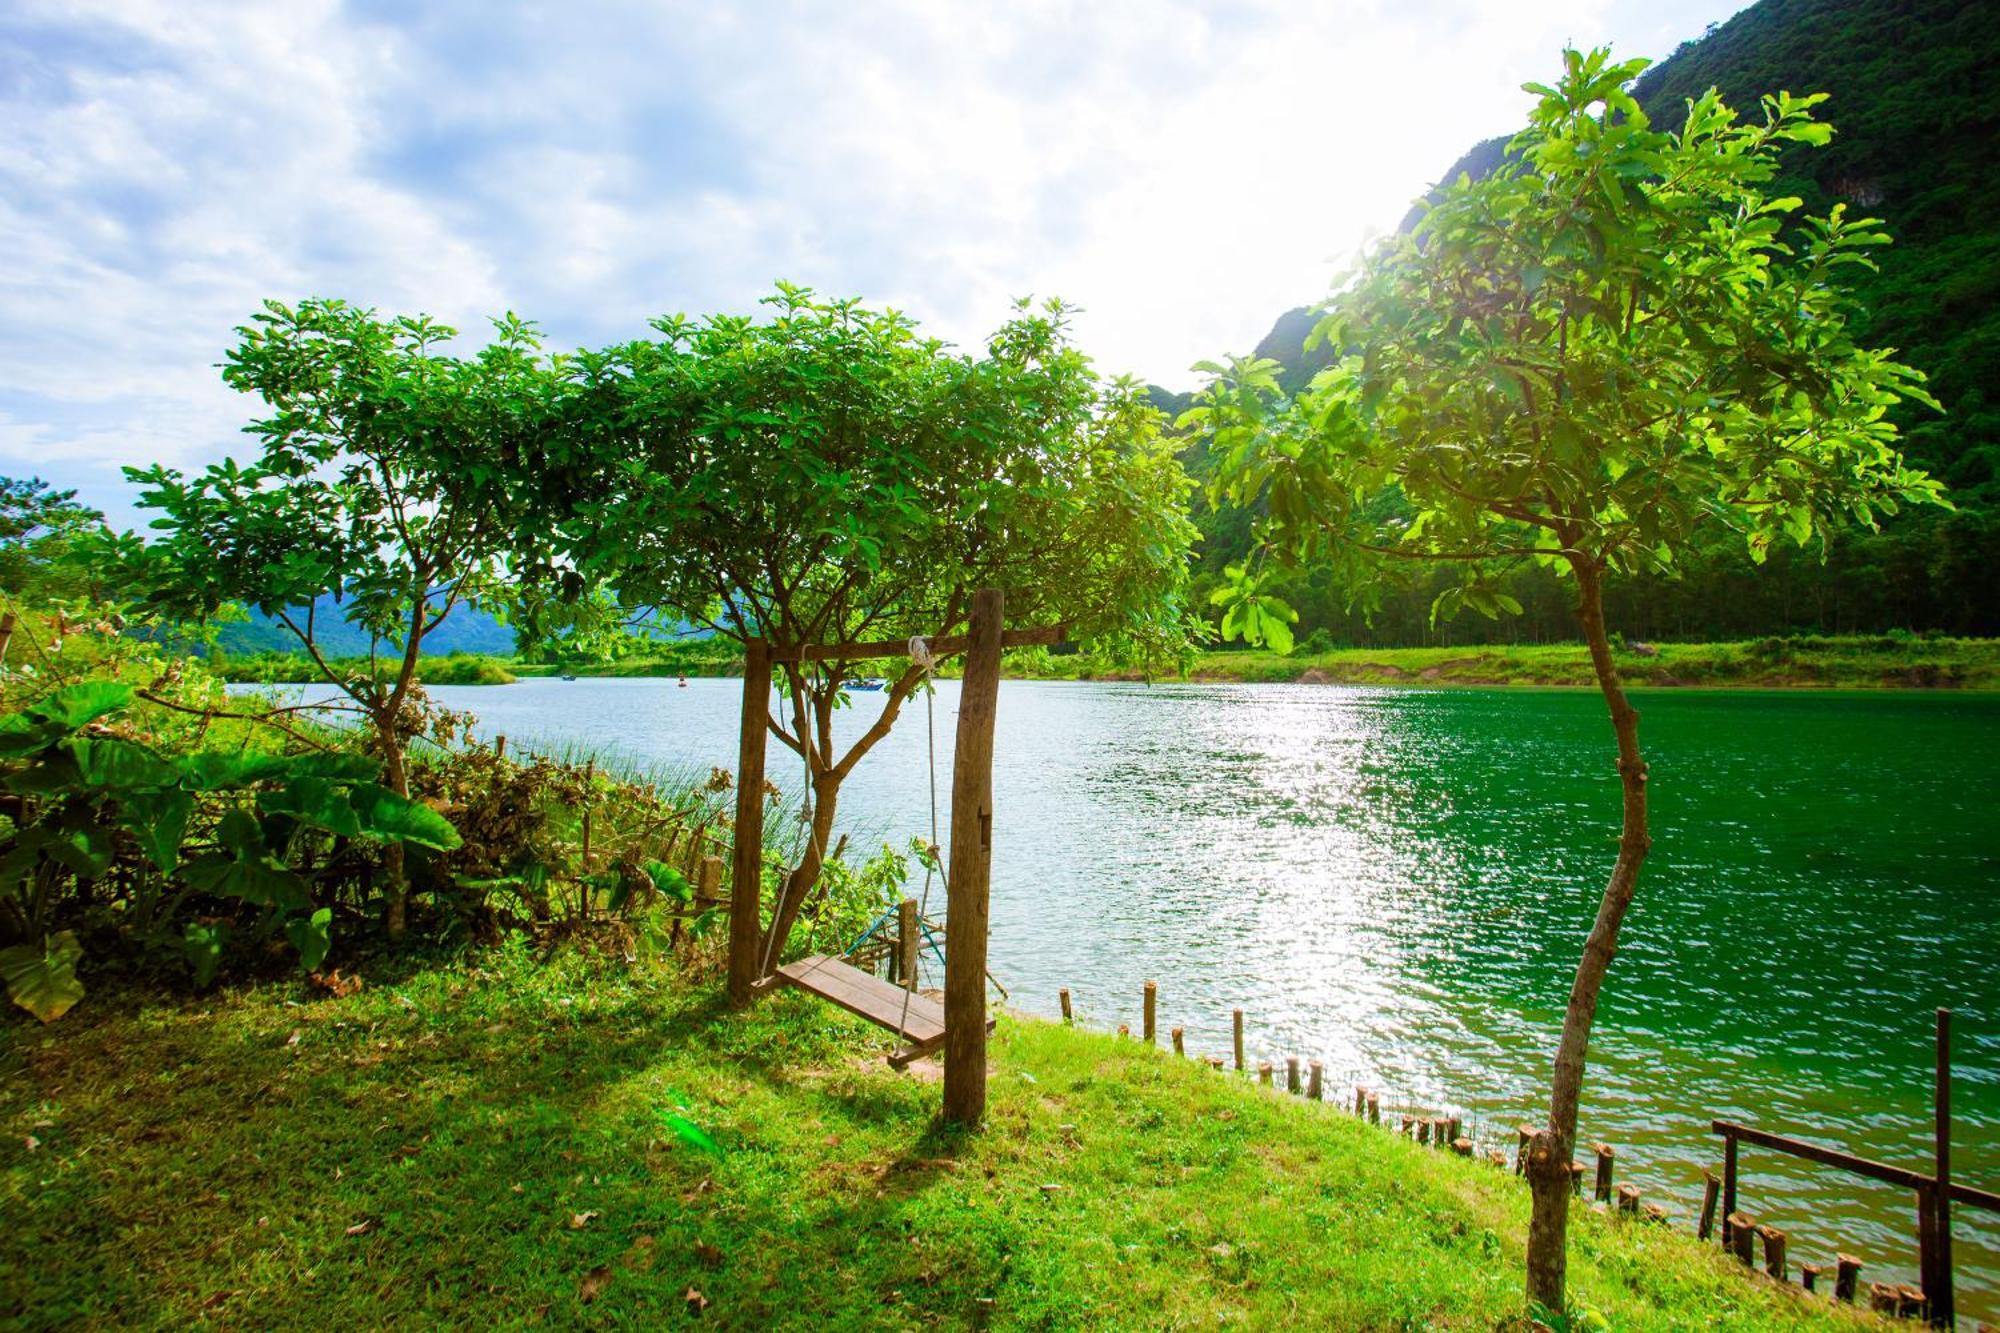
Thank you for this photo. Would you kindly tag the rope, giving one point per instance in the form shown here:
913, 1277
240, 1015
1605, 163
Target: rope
920, 656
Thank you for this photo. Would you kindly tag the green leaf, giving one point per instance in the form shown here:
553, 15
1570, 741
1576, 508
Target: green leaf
218, 770
393, 818
79, 705
159, 820
106, 761
253, 881
320, 802
43, 980
312, 936
202, 945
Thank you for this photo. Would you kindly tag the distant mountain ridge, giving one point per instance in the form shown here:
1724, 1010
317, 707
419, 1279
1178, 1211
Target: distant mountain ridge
466, 630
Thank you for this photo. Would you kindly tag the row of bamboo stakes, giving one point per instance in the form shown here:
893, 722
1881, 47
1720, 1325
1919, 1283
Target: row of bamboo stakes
1741, 1235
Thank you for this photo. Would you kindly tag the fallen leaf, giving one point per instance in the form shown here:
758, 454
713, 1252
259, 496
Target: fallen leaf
578, 1221
696, 1301
639, 1258
594, 1282
362, 1228
708, 1256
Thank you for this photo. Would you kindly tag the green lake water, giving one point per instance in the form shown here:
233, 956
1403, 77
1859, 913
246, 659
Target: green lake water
1397, 883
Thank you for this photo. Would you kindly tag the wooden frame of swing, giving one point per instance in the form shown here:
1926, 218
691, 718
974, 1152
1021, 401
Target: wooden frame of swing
968, 883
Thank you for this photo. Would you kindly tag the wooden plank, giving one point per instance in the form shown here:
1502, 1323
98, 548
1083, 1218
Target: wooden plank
869, 997
946, 646
1860, 1166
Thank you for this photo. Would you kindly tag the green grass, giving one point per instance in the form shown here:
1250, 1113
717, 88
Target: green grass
489, 1143
1848, 662
297, 669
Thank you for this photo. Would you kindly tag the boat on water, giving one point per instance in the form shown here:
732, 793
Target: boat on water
569, 675
865, 684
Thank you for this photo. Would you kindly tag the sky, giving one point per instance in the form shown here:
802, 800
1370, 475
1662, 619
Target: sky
1182, 171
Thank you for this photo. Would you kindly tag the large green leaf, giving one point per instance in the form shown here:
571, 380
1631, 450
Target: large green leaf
159, 820
21, 734
318, 801
312, 936
252, 880
394, 818
106, 761
339, 765
42, 980
81, 704
220, 770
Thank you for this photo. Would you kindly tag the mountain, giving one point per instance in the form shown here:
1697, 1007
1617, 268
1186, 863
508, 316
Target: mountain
1916, 141
466, 629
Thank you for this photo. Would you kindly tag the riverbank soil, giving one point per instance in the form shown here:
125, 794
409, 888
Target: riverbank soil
501, 1141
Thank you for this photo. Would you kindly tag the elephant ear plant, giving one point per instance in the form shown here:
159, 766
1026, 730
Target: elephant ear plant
1613, 344
213, 844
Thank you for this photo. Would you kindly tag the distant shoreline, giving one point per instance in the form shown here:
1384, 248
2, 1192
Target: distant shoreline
1803, 662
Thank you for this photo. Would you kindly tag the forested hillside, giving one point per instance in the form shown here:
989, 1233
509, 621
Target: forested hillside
1916, 131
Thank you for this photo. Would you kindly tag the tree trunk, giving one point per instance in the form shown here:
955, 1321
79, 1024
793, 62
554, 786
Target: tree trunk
799, 884
1550, 1154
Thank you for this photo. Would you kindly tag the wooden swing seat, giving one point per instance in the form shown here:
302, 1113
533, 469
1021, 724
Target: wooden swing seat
915, 1019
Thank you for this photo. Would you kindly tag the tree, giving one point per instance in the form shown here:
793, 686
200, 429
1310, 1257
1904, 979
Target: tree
1608, 347
38, 528
828, 476
391, 489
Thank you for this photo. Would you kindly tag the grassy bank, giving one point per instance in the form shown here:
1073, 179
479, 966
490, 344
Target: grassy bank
505, 1143
1810, 662
296, 669
1851, 662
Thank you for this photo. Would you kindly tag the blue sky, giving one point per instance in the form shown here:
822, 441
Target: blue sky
1182, 171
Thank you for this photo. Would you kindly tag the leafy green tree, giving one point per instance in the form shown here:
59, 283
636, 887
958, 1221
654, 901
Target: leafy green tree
1587, 360
38, 527
827, 475
391, 489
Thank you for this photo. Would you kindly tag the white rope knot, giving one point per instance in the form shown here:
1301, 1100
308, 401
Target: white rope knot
920, 653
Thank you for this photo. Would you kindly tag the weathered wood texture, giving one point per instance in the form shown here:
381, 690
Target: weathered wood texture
747, 867
971, 866
917, 1019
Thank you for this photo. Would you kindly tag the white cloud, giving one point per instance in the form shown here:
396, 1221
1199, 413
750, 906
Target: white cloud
1183, 171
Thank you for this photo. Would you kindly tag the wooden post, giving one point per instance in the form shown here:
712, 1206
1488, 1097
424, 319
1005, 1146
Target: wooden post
1604, 1155
1063, 995
1264, 1072
909, 938
1124, 1029
1239, 1041
1910, 1302
1292, 1073
1628, 1200
1215, 1063
1152, 1010
1656, 1214
746, 884
1462, 1146
1180, 1042
1360, 1101
1809, 1275
1846, 1276
1728, 1186
1774, 1252
1451, 1127
1374, 1109
1315, 1089
1711, 1190
1742, 1235
1576, 1173
1937, 1279
1522, 1133
971, 867
499, 747
1882, 1297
